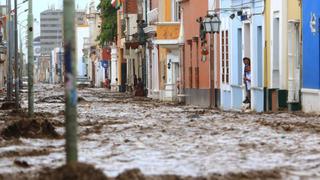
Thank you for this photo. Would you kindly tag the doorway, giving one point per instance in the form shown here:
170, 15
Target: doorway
247, 42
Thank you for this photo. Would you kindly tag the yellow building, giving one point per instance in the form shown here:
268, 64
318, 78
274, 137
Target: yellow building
282, 53
168, 37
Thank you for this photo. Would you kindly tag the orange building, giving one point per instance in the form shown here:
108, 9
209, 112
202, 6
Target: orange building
196, 62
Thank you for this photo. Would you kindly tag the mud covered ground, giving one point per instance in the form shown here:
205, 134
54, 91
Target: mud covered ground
118, 132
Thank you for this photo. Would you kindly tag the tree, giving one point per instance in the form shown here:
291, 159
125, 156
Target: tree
109, 22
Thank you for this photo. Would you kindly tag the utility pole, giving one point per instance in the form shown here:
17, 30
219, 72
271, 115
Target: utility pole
16, 56
21, 62
70, 81
9, 56
30, 61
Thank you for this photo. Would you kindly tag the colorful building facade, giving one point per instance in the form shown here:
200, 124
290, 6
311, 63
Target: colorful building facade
225, 56
167, 39
196, 65
247, 40
284, 65
284, 71
311, 57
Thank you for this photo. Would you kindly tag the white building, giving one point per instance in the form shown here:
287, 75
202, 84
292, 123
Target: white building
83, 33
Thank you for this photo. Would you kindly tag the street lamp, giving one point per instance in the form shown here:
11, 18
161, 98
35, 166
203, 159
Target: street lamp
211, 24
141, 34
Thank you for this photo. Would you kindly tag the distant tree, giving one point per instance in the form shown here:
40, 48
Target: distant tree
109, 22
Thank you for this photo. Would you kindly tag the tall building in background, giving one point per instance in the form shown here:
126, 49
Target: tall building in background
51, 28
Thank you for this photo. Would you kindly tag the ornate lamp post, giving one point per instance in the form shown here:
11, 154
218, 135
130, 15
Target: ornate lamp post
142, 40
209, 24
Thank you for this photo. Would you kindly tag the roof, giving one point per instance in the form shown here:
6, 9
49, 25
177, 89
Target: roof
51, 10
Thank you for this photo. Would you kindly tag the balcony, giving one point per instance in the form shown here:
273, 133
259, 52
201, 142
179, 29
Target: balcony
168, 30
167, 33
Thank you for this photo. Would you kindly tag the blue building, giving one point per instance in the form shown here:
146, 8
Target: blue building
243, 27
311, 57
225, 56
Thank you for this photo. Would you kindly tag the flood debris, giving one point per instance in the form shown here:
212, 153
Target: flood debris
272, 174
30, 128
8, 105
292, 125
133, 174
21, 163
132, 138
26, 153
52, 99
74, 171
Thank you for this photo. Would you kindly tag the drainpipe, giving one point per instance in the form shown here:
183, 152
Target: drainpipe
265, 62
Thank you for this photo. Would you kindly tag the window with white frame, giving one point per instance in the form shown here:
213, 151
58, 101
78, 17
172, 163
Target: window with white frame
176, 10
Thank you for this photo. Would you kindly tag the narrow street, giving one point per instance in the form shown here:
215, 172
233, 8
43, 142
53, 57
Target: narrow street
119, 132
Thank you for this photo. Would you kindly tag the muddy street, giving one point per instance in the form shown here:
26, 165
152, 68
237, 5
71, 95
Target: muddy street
118, 132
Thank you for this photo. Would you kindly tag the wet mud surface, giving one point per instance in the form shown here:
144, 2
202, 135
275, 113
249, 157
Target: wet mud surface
118, 132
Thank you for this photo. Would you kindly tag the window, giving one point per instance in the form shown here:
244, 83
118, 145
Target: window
176, 11
225, 56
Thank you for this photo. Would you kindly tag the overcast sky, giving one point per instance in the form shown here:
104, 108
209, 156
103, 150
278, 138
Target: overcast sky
38, 7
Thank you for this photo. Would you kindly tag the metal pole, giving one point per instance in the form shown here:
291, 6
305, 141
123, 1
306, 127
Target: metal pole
16, 56
70, 81
21, 62
212, 72
9, 56
146, 10
30, 61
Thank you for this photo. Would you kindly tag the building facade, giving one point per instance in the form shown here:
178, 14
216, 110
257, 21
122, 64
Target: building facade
196, 65
51, 28
178, 62
152, 53
311, 63
284, 68
225, 56
247, 40
168, 33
